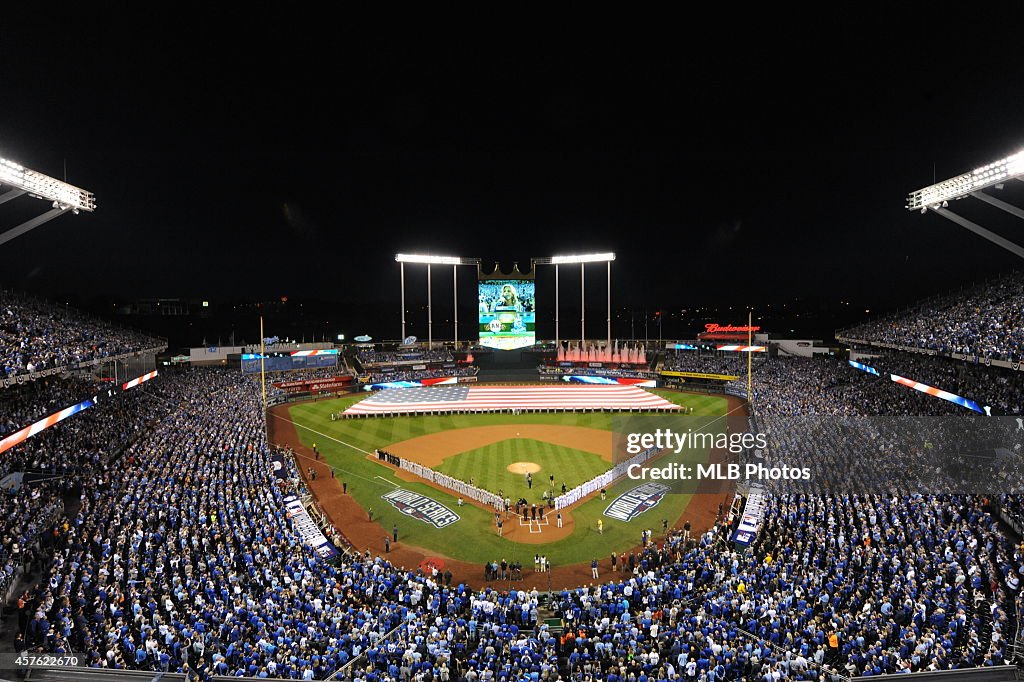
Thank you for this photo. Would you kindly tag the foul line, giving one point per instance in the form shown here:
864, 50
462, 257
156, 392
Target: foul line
320, 433
299, 455
367, 452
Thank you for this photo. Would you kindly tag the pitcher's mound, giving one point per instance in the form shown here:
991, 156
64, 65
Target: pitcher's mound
523, 467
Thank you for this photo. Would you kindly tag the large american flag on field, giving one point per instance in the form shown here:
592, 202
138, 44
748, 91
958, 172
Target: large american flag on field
490, 398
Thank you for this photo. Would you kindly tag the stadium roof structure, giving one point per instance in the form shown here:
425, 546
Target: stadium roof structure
936, 197
20, 181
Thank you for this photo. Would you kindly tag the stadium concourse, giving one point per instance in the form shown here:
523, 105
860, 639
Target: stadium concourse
160, 540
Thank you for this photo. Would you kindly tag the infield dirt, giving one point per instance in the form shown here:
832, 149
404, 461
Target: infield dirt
346, 514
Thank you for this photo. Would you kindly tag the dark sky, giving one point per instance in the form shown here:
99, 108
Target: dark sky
271, 155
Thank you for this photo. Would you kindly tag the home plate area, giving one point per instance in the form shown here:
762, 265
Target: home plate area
534, 525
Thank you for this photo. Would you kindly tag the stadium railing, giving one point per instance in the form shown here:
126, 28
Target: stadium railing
1002, 673
343, 670
995, 673
24, 378
975, 359
1017, 647
84, 674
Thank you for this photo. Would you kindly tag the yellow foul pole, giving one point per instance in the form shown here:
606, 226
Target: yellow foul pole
750, 361
263, 367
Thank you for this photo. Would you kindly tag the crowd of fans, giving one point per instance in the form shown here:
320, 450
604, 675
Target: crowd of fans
35, 336
987, 321
998, 387
827, 586
373, 356
50, 466
417, 374
164, 544
181, 557
709, 363
824, 386
22, 404
950, 602
309, 373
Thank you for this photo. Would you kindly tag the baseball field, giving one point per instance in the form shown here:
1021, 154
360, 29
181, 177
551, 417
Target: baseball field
495, 452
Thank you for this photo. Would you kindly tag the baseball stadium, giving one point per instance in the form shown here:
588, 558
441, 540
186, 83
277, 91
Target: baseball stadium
334, 408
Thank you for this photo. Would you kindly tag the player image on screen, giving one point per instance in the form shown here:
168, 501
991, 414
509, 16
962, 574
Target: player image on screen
506, 309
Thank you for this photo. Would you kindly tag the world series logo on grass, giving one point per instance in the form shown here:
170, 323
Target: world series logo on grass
636, 501
421, 508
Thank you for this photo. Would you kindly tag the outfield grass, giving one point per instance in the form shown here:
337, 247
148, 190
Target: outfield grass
488, 467
345, 443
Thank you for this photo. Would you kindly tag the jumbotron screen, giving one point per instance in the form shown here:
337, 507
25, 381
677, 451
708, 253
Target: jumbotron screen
507, 313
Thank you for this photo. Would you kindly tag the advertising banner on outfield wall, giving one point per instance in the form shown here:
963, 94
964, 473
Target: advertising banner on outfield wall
699, 375
314, 385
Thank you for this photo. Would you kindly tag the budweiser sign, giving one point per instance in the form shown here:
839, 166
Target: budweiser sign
714, 328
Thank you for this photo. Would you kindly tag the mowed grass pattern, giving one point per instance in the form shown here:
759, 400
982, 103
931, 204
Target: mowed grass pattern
344, 444
488, 467
380, 432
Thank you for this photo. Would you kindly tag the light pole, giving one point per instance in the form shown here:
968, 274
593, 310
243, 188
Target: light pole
557, 339
608, 348
582, 260
430, 316
583, 306
454, 261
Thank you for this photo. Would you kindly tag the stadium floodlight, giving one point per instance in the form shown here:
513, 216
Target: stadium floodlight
61, 196
43, 186
581, 260
936, 198
435, 260
454, 261
586, 258
966, 184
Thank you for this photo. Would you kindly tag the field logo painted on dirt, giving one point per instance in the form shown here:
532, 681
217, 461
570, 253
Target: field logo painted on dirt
636, 501
421, 508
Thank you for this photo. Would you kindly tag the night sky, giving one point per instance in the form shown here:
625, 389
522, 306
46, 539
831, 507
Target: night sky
253, 158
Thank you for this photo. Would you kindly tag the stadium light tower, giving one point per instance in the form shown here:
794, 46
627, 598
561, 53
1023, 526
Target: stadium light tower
936, 197
455, 262
64, 197
582, 260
